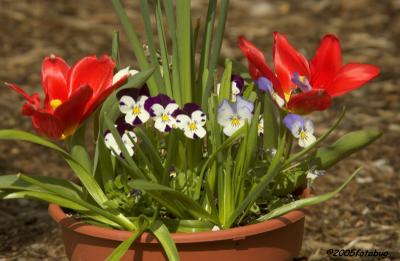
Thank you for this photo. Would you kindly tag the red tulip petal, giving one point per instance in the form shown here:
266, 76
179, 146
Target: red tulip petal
54, 79
350, 77
314, 100
326, 62
288, 61
94, 103
97, 73
71, 112
47, 124
257, 65
31, 99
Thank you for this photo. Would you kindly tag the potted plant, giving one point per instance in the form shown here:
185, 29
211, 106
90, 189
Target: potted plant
183, 166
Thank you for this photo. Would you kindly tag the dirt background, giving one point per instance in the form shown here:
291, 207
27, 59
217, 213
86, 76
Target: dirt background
365, 216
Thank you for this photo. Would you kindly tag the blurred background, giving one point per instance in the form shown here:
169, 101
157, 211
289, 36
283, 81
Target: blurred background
365, 216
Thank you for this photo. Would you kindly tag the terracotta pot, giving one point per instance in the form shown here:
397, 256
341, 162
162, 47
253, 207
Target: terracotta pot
273, 240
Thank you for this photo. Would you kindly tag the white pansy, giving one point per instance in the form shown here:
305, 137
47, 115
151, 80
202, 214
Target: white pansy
112, 144
164, 119
193, 126
134, 111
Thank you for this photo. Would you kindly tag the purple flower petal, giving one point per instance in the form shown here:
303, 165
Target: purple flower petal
291, 119
265, 85
301, 82
161, 99
122, 126
239, 81
134, 92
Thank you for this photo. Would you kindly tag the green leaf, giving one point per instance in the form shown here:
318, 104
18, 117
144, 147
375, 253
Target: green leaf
271, 131
183, 16
298, 204
119, 252
46, 196
164, 237
85, 177
144, 8
255, 192
225, 91
326, 157
135, 43
216, 50
115, 50
176, 85
174, 200
163, 50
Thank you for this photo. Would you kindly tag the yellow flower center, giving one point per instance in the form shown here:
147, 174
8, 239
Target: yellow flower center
165, 117
303, 135
235, 120
55, 103
136, 110
192, 126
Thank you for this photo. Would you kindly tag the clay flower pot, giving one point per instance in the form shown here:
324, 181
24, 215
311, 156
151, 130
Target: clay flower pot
276, 239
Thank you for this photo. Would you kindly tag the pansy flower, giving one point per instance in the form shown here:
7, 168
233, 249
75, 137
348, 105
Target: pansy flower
191, 119
265, 85
162, 109
71, 93
260, 126
237, 86
302, 129
307, 86
131, 103
232, 116
127, 135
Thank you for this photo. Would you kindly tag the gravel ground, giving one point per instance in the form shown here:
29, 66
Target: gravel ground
365, 216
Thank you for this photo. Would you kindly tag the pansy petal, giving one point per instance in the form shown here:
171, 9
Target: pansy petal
242, 104
126, 104
171, 108
350, 77
229, 129
310, 139
309, 127
200, 132
314, 100
160, 125
144, 116
225, 113
157, 109
200, 117
182, 121
326, 62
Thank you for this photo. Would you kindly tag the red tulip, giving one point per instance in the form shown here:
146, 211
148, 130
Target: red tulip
71, 94
307, 86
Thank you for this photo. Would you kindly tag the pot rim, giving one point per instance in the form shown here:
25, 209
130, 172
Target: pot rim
237, 233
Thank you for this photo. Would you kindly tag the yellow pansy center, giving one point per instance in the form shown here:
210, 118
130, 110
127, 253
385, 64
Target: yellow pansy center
303, 135
55, 103
136, 110
192, 126
235, 120
165, 117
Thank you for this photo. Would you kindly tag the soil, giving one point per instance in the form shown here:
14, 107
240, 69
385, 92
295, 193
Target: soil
366, 214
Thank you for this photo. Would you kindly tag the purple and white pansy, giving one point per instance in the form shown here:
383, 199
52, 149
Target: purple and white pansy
265, 85
162, 109
301, 128
237, 85
191, 120
127, 136
232, 116
131, 103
